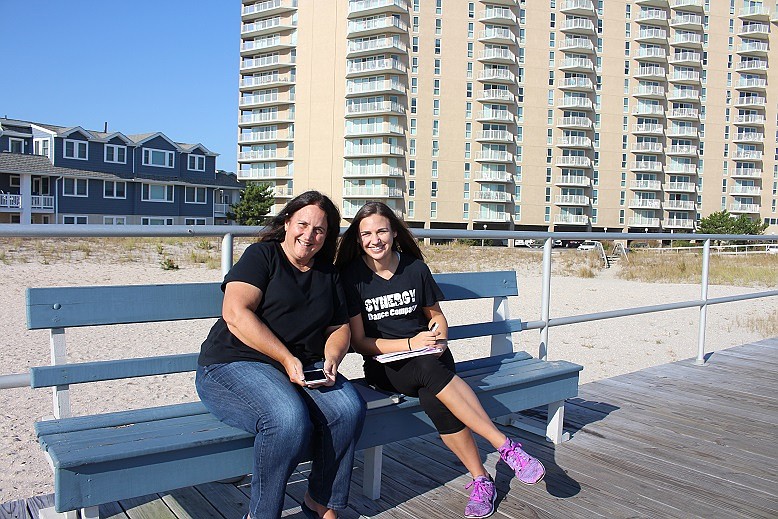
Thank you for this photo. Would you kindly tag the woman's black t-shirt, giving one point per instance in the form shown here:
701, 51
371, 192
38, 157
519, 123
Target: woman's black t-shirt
391, 308
296, 306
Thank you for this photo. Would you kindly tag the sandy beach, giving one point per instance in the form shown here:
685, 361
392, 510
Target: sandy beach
605, 348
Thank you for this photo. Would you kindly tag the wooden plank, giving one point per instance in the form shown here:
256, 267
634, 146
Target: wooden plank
112, 511
16, 509
476, 285
147, 507
37, 503
226, 498
188, 503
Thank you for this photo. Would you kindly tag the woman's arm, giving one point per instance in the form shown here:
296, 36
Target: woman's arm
335, 348
240, 302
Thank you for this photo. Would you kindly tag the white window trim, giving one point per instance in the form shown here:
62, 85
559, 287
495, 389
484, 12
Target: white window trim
194, 221
195, 168
196, 188
75, 149
146, 220
115, 218
116, 149
166, 152
40, 142
75, 218
75, 188
12, 140
15, 181
114, 182
157, 201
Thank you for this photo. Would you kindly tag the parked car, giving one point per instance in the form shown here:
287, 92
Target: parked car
588, 245
772, 248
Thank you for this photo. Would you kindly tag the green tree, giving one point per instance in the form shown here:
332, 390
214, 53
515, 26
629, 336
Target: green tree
255, 202
722, 222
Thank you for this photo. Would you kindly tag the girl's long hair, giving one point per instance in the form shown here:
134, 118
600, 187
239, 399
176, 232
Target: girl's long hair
275, 231
350, 246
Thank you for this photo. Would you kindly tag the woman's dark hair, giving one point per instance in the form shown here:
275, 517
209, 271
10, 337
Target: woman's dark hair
275, 231
350, 246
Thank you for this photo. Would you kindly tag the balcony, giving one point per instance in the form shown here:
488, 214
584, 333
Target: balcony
497, 75
650, 54
683, 94
649, 91
576, 65
682, 149
687, 58
683, 187
497, 35
747, 155
574, 123
679, 205
379, 171
754, 30
371, 26
573, 161
497, 55
268, 26
495, 115
648, 129
499, 15
266, 118
485, 175
581, 84
579, 45
755, 12
494, 136
682, 131
676, 168
267, 44
745, 190
647, 165
578, 7
683, 113
576, 200
267, 8
578, 26
744, 208
755, 119
263, 155
651, 35
375, 66
372, 192
571, 219
573, 181
576, 103
267, 62
646, 185
358, 8
265, 81
687, 5
37, 202
357, 48
493, 156
652, 3
491, 196
751, 84
747, 173
220, 209
753, 48
652, 16
749, 137
651, 72
752, 65
686, 21
281, 173
687, 39
257, 100
373, 150
493, 216
642, 221
644, 203
267, 136
679, 223
684, 76
647, 147
753, 101
377, 107
385, 86
574, 142
351, 210
378, 128
649, 110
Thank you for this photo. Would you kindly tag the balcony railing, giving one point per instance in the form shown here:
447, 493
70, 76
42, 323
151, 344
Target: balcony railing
685, 75
497, 74
494, 94
681, 186
747, 155
647, 147
575, 161
357, 6
743, 208
687, 39
571, 200
679, 223
647, 185
747, 172
648, 128
578, 24
576, 102
645, 203
385, 64
282, 154
270, 5
745, 190
577, 82
752, 83
494, 155
384, 170
646, 165
497, 115
377, 106
366, 150
497, 54
749, 137
642, 221
750, 119
680, 205
366, 87
494, 135
573, 180
492, 196
578, 122
572, 219
372, 191
683, 113
386, 22
681, 149
486, 175
378, 44
751, 64
9, 201
574, 142
688, 169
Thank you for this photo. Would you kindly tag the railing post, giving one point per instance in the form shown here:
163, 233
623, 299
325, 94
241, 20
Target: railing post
226, 253
59, 355
546, 300
704, 307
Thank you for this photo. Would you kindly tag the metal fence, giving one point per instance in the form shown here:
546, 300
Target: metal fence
543, 324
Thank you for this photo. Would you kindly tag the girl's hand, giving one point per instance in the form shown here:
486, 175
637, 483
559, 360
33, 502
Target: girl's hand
424, 339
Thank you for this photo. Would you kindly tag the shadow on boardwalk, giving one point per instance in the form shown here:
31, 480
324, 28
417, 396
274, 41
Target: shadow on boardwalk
676, 440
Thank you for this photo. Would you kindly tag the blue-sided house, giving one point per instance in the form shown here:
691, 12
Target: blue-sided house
54, 174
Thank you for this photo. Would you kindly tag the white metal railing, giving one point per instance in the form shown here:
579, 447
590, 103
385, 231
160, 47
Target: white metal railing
486, 175
675, 167
385, 22
573, 219
679, 205
747, 172
375, 65
494, 135
578, 24
574, 180
571, 200
685, 75
492, 196
580, 122
497, 53
752, 64
650, 185
683, 112
10, 201
377, 44
577, 82
647, 128
652, 33
377, 106
645, 203
687, 38
494, 155
373, 86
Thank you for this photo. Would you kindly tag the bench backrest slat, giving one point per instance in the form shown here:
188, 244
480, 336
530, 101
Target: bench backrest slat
65, 307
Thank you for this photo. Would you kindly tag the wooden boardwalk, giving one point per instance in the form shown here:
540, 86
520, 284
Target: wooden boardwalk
675, 440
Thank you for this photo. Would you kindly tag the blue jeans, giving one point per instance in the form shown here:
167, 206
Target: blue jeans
288, 421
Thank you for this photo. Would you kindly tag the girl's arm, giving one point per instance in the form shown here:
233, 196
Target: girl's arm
435, 316
372, 346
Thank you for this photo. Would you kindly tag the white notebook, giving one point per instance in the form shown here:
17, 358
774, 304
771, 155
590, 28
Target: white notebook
400, 355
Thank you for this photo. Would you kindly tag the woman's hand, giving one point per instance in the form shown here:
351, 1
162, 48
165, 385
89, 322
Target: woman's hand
294, 370
330, 371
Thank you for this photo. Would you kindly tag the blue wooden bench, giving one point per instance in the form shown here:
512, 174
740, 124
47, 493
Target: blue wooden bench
103, 458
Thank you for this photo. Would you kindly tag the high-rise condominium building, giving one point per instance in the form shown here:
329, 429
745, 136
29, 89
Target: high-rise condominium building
639, 115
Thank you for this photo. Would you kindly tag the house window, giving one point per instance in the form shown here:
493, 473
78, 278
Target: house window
15, 145
15, 181
157, 193
146, 220
195, 195
41, 147
197, 162
74, 219
158, 158
114, 153
113, 189
114, 220
75, 187
76, 150
194, 221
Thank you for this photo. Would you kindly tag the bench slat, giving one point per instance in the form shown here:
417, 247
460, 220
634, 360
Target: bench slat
458, 286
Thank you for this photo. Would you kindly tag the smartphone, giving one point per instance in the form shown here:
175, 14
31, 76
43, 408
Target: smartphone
314, 376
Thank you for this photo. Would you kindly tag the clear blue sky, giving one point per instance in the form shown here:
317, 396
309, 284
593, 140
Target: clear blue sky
141, 65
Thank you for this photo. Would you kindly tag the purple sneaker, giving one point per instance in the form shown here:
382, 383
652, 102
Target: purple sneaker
482, 497
529, 470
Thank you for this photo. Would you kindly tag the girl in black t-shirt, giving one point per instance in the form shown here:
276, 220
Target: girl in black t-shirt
393, 304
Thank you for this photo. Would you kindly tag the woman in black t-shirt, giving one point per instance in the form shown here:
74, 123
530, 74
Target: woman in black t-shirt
284, 314
393, 305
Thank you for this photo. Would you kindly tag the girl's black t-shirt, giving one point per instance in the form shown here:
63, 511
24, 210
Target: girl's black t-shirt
296, 306
391, 308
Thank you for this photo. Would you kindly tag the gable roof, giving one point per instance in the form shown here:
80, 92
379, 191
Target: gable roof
139, 139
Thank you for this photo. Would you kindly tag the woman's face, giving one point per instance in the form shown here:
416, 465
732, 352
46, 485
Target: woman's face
306, 231
376, 237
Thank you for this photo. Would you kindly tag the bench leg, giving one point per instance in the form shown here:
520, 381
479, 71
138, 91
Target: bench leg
371, 481
50, 513
556, 418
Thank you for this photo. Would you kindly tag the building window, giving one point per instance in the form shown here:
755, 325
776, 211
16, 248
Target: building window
113, 189
411, 209
466, 211
197, 162
158, 158
42, 147
116, 154
15, 145
146, 220
73, 219
157, 193
411, 188
195, 195
434, 188
433, 209
76, 150
194, 221
114, 220
75, 187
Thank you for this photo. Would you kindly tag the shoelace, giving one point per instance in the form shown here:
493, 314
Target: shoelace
515, 453
479, 492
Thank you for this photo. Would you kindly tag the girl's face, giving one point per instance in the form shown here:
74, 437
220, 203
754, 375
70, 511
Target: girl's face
376, 237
